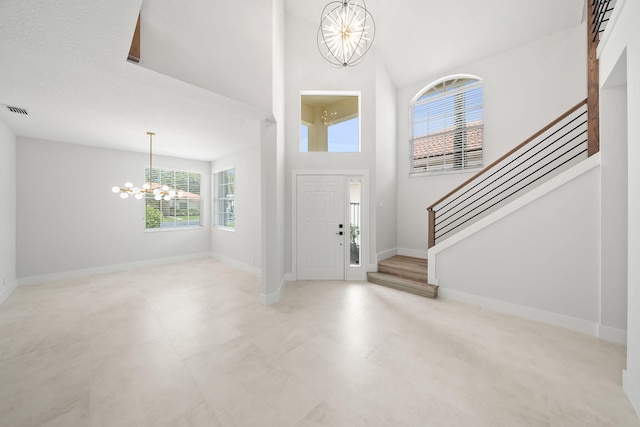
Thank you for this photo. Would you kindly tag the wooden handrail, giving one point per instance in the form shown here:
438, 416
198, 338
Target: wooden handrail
510, 152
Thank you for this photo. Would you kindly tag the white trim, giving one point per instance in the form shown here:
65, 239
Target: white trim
167, 229
416, 253
223, 228
632, 388
238, 264
11, 286
615, 335
332, 93
215, 198
527, 198
74, 274
440, 80
568, 322
386, 254
272, 298
470, 171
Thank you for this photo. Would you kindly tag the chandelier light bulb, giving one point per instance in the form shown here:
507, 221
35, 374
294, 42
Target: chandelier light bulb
172, 193
180, 193
140, 192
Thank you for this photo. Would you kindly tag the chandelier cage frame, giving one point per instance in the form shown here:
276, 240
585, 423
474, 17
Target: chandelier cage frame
346, 32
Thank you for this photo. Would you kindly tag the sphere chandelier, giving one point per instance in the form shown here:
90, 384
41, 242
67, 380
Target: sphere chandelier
346, 32
160, 192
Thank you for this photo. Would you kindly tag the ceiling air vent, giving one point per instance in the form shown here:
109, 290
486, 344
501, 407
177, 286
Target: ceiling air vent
17, 110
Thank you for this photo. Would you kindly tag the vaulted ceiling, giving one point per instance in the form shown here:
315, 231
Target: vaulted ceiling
65, 62
418, 39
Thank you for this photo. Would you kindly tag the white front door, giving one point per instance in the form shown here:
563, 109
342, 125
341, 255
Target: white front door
321, 228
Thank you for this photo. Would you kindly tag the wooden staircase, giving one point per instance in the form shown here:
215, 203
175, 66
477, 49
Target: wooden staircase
406, 274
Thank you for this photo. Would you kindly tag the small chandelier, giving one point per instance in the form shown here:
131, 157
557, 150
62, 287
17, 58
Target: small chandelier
327, 117
346, 32
160, 192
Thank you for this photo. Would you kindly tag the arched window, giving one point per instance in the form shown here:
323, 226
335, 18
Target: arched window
447, 126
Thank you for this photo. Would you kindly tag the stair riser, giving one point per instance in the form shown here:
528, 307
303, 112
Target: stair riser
412, 275
429, 292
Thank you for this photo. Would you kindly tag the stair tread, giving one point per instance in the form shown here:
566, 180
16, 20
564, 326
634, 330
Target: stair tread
400, 262
408, 267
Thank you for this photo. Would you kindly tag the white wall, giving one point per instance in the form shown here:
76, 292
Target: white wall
213, 45
623, 34
272, 146
613, 149
71, 221
243, 245
524, 89
386, 201
7, 212
306, 70
544, 256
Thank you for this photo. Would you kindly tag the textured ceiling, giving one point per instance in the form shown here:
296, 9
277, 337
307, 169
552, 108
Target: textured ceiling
64, 61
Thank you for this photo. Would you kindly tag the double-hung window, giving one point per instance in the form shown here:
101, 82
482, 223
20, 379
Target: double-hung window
447, 126
225, 186
180, 211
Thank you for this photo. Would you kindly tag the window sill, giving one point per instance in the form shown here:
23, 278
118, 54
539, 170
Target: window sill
162, 230
424, 174
221, 228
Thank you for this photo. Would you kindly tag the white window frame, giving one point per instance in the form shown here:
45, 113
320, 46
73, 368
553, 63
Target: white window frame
331, 93
174, 200
447, 166
217, 176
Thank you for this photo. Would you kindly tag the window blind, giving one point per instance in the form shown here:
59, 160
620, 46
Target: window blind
179, 212
447, 127
225, 198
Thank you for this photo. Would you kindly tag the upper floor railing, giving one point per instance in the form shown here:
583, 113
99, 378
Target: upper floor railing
561, 143
600, 14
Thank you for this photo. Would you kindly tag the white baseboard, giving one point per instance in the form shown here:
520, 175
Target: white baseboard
631, 386
568, 322
75, 274
11, 286
416, 253
608, 333
251, 269
386, 254
274, 297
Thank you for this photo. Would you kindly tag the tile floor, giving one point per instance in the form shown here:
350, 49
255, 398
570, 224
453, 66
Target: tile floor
189, 345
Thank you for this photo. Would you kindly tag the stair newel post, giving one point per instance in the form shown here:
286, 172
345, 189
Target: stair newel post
432, 227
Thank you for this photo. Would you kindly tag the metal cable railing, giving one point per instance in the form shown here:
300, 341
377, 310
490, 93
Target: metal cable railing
545, 154
601, 14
